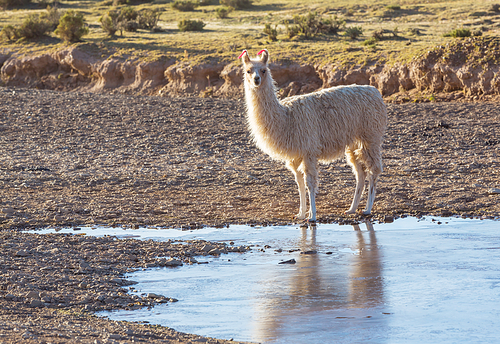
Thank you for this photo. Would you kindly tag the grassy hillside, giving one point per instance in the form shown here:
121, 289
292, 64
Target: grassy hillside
404, 29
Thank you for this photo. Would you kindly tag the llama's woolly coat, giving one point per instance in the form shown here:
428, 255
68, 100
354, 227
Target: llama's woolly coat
320, 124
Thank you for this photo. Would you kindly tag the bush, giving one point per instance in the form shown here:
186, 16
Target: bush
458, 33
72, 26
378, 35
191, 25
110, 22
495, 8
148, 19
271, 32
223, 12
6, 4
52, 16
9, 33
311, 24
353, 32
237, 4
372, 41
184, 6
206, 2
33, 27
393, 7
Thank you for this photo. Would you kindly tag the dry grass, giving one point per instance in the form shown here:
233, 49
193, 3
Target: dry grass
223, 39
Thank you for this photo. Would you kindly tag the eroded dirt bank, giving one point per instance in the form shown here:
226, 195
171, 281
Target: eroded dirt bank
73, 158
466, 68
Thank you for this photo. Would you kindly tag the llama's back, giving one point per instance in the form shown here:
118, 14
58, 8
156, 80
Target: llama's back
337, 117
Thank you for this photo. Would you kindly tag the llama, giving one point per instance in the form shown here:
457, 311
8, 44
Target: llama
317, 127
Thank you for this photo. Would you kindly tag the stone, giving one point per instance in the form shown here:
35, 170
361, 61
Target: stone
154, 296
36, 303
21, 253
290, 261
493, 191
32, 295
173, 262
388, 219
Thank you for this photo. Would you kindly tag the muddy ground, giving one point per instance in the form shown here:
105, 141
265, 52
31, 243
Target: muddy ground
69, 159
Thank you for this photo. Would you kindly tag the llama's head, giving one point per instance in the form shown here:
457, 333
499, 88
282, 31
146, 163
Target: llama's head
255, 71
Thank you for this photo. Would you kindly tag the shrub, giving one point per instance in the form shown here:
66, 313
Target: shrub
237, 4
148, 19
458, 33
52, 16
9, 33
353, 32
206, 2
6, 4
72, 26
128, 13
495, 8
223, 12
110, 22
477, 33
33, 27
372, 41
184, 6
311, 24
378, 34
271, 32
191, 25
393, 7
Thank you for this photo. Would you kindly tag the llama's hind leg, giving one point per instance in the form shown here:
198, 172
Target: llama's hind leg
310, 168
299, 179
360, 174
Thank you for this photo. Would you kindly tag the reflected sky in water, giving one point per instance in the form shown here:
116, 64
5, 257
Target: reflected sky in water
409, 281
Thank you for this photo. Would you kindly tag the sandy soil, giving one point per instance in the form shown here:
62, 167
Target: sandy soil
69, 159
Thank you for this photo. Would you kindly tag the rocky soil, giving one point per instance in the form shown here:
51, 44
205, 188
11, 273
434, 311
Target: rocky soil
73, 158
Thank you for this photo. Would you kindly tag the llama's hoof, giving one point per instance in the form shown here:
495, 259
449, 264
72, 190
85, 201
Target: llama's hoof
366, 212
350, 212
300, 216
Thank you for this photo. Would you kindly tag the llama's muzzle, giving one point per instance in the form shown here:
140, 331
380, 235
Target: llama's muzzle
256, 80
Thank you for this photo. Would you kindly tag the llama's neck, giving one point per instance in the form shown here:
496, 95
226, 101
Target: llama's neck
265, 112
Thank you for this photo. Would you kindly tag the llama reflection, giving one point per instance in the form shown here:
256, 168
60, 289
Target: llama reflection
324, 290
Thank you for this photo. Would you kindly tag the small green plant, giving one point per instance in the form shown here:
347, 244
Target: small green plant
393, 7
353, 32
223, 12
237, 4
72, 26
271, 32
184, 5
458, 33
372, 41
191, 25
378, 35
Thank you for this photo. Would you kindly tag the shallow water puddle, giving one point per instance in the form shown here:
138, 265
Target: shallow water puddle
411, 281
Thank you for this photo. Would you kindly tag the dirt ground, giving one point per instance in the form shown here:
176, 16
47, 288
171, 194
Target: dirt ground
71, 159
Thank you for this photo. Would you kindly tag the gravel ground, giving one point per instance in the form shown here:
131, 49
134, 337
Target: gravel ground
70, 159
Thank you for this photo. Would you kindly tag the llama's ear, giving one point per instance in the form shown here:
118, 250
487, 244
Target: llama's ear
245, 56
264, 55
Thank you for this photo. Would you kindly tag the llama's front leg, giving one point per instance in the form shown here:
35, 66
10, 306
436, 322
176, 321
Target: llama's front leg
310, 168
360, 174
372, 184
299, 179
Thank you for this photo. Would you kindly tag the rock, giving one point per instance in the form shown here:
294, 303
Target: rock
493, 191
214, 252
8, 211
36, 303
173, 262
10, 297
21, 253
207, 248
309, 252
154, 296
32, 295
388, 219
290, 261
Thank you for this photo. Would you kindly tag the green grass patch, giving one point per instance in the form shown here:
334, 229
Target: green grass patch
254, 25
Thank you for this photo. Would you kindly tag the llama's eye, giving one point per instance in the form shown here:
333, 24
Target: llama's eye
263, 71
249, 71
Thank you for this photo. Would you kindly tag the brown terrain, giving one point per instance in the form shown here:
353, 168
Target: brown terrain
74, 158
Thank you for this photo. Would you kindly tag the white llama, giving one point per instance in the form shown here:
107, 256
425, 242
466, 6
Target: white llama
317, 127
